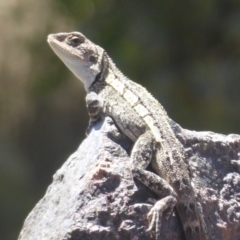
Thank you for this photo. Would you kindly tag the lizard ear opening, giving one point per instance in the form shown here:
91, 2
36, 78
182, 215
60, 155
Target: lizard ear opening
92, 59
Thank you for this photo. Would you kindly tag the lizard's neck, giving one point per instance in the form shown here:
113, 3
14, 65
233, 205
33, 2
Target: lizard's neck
110, 72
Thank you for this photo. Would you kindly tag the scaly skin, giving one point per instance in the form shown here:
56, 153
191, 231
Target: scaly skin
144, 121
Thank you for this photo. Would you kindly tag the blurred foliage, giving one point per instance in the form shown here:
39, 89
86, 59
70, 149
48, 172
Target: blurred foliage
186, 53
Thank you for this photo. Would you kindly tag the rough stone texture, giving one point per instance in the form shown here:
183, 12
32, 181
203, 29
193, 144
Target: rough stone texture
214, 165
93, 195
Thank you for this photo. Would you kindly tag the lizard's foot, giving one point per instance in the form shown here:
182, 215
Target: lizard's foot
155, 214
90, 126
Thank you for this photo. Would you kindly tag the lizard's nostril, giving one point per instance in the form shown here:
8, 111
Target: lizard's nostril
60, 37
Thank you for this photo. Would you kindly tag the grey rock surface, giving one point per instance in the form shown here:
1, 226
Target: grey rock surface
94, 196
214, 165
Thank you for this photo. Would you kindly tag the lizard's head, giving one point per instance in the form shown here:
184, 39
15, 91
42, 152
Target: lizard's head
85, 59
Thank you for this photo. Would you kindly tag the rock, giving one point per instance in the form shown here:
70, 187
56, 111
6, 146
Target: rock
94, 196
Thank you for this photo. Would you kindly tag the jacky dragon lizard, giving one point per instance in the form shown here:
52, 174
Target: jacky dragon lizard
141, 118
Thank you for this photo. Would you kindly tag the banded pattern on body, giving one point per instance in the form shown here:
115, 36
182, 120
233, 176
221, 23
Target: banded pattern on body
135, 102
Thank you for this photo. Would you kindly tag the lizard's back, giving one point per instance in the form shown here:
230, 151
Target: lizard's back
135, 110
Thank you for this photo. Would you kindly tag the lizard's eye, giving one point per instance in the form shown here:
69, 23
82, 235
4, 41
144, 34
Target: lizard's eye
74, 41
92, 59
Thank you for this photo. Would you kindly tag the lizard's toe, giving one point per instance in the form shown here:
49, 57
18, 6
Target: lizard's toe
155, 214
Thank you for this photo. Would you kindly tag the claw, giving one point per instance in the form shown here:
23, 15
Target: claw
155, 214
153, 217
155, 224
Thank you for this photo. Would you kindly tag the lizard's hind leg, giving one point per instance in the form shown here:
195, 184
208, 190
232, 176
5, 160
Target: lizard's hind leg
164, 191
142, 154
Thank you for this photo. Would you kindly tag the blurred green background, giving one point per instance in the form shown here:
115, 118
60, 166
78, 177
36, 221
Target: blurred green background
187, 54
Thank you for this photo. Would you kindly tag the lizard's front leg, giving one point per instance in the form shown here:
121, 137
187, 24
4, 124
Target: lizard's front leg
94, 108
142, 154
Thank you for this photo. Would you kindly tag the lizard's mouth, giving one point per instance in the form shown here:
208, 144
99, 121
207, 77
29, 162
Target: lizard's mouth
79, 54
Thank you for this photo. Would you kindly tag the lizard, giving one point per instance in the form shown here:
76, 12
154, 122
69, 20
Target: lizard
142, 119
